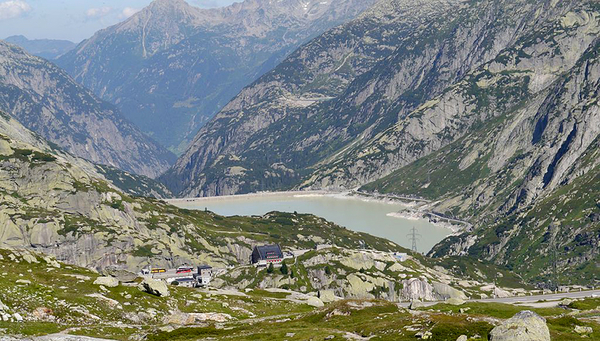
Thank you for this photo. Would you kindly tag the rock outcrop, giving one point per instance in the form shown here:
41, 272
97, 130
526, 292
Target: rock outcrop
155, 287
524, 326
107, 281
122, 275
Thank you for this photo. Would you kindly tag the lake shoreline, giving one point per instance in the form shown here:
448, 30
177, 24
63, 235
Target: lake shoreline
413, 211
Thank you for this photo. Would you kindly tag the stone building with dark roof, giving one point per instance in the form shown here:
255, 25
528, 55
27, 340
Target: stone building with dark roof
267, 254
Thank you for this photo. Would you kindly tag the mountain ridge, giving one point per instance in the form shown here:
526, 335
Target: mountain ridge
174, 60
48, 101
45, 48
432, 110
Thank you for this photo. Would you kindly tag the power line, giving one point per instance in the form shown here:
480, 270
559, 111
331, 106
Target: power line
414, 237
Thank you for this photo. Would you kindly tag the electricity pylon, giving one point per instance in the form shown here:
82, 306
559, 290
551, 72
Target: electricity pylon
414, 236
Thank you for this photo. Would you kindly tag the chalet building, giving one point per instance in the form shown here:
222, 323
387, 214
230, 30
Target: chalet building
267, 254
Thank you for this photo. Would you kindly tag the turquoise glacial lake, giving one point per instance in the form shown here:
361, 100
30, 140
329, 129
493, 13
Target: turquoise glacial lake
357, 214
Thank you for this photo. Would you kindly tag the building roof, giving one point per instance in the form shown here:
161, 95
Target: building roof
204, 267
269, 251
187, 279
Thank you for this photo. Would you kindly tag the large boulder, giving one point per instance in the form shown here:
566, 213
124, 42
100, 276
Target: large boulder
416, 304
154, 287
499, 293
417, 289
315, 302
122, 275
455, 301
524, 326
107, 281
328, 296
445, 291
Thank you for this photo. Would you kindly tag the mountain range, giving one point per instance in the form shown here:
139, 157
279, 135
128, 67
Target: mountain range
172, 66
45, 48
48, 101
489, 110
485, 110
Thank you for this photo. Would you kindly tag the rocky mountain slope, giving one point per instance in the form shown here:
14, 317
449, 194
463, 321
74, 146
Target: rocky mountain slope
335, 94
490, 111
63, 206
172, 66
45, 48
526, 175
46, 100
60, 205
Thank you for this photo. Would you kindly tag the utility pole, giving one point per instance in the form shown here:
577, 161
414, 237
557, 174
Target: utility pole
414, 236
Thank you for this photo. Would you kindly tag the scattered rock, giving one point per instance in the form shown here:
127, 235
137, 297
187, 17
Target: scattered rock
107, 281
463, 310
445, 291
462, 338
330, 337
416, 304
184, 319
52, 262
524, 326
328, 296
426, 335
583, 330
565, 303
109, 301
455, 301
180, 319
30, 258
154, 287
43, 314
315, 302
79, 277
122, 275
499, 293
18, 317
64, 337
23, 281
336, 312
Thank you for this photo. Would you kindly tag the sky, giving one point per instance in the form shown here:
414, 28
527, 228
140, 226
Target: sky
73, 20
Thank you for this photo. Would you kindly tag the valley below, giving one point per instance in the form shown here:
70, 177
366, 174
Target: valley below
304, 170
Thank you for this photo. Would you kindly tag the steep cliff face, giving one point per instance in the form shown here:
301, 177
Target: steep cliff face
527, 174
295, 98
48, 101
320, 118
172, 66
